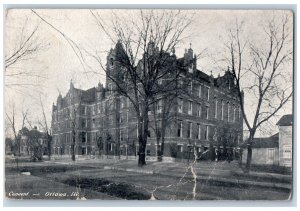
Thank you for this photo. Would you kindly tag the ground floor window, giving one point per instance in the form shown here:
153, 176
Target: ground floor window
271, 155
179, 148
287, 152
110, 147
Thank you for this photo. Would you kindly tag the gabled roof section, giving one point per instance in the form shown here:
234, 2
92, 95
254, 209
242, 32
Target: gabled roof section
265, 142
286, 120
89, 95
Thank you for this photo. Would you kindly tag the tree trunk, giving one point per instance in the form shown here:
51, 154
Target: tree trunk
158, 150
162, 147
141, 153
73, 147
49, 146
143, 139
249, 153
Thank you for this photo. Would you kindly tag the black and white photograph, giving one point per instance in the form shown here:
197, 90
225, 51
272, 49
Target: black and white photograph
148, 104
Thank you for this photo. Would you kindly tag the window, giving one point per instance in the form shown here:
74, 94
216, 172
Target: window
191, 67
93, 121
222, 109
191, 87
200, 90
287, 152
84, 109
228, 111
98, 95
160, 81
111, 61
180, 105
207, 94
122, 103
84, 123
207, 112
99, 108
190, 107
216, 108
179, 148
83, 137
239, 114
159, 106
234, 110
120, 118
179, 129
180, 84
199, 132
94, 109
137, 130
271, 156
206, 132
110, 146
190, 127
121, 135
199, 111
148, 152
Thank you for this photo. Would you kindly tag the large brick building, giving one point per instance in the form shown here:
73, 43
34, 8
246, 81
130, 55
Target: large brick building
208, 117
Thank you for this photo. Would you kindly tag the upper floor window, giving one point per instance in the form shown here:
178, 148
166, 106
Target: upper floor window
159, 106
84, 110
180, 105
122, 103
234, 110
189, 132
207, 112
190, 107
216, 108
84, 123
207, 94
199, 111
228, 112
206, 132
199, 132
200, 91
179, 129
83, 137
222, 109
191, 88
93, 122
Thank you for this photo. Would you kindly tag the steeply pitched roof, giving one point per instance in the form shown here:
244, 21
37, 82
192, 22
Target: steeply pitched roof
286, 120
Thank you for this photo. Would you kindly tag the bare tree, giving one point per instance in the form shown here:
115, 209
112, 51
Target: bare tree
163, 115
74, 125
46, 128
145, 44
24, 45
11, 120
271, 87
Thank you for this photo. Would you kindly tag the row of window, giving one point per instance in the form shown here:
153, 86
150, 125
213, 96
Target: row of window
232, 112
189, 133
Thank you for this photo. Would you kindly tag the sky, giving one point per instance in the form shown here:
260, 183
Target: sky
57, 64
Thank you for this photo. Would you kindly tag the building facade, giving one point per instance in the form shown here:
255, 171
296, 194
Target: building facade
265, 150
285, 125
31, 140
206, 117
